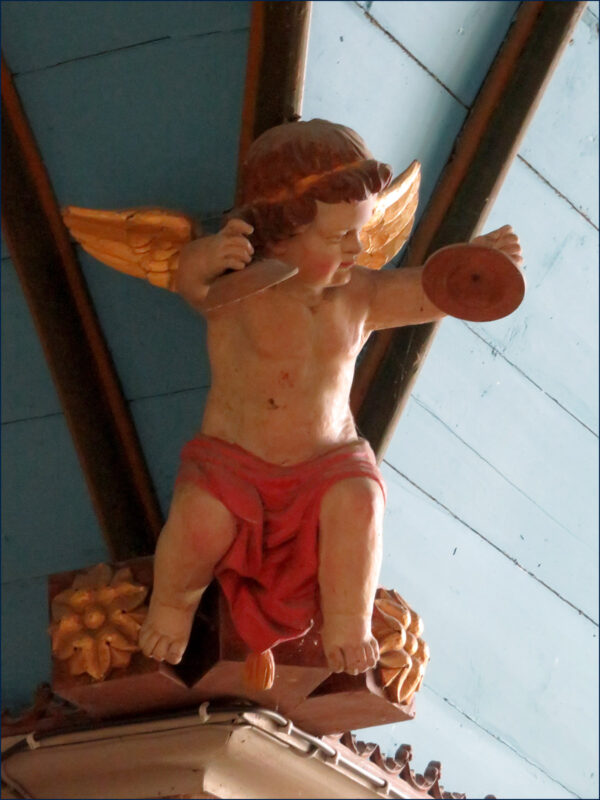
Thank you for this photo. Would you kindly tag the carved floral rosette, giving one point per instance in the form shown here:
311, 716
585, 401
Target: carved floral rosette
403, 653
96, 622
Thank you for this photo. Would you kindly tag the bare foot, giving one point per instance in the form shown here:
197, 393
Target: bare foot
349, 644
166, 631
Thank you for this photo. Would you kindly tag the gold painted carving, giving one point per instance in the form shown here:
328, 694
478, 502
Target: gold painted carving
96, 622
388, 229
143, 242
259, 670
403, 655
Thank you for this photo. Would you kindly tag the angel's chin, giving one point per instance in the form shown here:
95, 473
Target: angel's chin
341, 276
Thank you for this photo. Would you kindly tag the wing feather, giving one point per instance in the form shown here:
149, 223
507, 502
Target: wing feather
143, 242
122, 264
390, 226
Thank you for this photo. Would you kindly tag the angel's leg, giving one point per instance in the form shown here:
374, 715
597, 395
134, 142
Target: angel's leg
350, 528
197, 534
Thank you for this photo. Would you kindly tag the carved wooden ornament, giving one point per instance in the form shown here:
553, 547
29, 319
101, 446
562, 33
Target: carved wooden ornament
403, 654
96, 622
143, 242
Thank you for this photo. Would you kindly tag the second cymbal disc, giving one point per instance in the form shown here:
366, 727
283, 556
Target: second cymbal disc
256, 277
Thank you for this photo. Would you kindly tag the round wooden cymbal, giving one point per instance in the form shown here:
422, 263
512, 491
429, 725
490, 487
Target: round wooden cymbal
472, 282
256, 277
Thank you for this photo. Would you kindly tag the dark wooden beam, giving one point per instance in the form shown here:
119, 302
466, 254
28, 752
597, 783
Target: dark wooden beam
94, 407
466, 191
275, 67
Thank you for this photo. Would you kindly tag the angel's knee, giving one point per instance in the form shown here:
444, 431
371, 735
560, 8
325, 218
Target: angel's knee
356, 501
199, 523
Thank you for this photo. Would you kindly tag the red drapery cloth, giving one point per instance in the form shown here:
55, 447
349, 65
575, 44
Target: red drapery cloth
269, 574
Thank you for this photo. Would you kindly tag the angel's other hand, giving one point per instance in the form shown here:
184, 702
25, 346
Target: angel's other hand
204, 259
505, 240
234, 251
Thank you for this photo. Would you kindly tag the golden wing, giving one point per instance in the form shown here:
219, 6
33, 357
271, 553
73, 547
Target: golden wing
392, 220
143, 242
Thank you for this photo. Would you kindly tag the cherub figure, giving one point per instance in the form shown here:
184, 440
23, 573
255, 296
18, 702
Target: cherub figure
277, 496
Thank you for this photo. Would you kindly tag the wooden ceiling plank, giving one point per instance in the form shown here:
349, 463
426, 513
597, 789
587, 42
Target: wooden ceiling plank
96, 412
464, 195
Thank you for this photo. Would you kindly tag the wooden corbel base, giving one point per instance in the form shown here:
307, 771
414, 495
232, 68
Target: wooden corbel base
304, 690
300, 665
143, 686
346, 703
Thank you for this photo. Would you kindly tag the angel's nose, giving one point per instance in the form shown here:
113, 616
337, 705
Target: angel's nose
352, 243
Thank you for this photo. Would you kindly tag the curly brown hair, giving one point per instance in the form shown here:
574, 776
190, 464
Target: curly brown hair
291, 166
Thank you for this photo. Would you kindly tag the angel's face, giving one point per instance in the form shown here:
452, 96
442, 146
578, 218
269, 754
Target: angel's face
325, 249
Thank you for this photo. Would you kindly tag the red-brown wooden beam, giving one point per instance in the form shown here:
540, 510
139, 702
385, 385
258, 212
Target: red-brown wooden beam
466, 191
95, 409
275, 67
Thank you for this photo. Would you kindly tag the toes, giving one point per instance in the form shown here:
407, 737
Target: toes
360, 658
153, 644
335, 660
159, 652
159, 647
149, 642
355, 659
372, 653
175, 652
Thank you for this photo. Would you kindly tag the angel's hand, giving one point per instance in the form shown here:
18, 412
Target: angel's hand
204, 259
232, 248
505, 240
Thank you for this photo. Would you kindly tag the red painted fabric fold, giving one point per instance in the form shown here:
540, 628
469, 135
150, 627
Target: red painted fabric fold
269, 574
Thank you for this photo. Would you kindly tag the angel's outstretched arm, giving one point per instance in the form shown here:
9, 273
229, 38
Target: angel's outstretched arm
397, 297
204, 259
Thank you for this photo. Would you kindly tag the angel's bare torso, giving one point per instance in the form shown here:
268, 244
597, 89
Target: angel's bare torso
282, 368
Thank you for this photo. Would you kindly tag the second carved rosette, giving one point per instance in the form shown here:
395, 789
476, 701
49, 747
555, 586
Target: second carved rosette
403, 653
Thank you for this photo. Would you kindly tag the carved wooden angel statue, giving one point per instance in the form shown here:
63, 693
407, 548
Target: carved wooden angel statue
277, 496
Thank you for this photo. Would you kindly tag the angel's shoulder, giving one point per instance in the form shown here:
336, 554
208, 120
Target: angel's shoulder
362, 284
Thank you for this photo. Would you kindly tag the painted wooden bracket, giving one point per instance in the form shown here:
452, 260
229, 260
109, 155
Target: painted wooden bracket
483, 152
95, 409
212, 668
